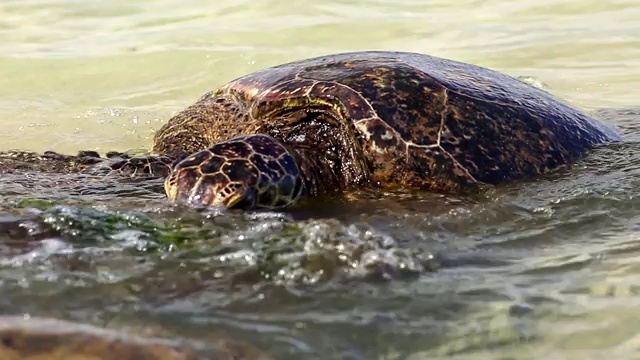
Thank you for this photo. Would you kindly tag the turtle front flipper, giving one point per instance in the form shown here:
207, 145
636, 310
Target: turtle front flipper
48, 161
89, 162
158, 166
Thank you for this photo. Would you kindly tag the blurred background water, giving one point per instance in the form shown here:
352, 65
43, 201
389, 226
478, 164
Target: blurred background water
547, 269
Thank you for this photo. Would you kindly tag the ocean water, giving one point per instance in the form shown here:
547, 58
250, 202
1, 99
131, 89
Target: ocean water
546, 269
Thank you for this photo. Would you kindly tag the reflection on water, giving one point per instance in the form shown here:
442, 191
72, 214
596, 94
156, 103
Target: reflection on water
544, 268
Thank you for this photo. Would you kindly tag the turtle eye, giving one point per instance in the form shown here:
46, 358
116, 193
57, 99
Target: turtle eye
241, 198
331, 154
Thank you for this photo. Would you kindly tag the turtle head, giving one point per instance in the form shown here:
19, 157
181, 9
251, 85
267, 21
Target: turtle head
247, 172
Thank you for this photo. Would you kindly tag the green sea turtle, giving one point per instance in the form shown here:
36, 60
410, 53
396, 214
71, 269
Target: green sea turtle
334, 123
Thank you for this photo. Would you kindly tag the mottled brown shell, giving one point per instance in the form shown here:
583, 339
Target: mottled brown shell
412, 119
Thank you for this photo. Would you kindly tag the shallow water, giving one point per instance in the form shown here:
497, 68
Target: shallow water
538, 269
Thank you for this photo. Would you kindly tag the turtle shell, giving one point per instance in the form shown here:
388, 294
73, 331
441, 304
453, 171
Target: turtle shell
413, 119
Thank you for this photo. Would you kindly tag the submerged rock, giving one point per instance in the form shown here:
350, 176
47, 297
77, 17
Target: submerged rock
40, 338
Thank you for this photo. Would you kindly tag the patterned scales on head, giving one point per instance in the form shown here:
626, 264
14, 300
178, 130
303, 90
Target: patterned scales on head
265, 169
386, 119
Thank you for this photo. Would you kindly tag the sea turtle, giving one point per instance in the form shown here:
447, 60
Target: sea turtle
337, 122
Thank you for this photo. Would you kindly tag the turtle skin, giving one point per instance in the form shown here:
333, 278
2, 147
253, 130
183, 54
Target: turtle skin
384, 119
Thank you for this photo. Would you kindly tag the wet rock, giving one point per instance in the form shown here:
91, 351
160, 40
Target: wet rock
50, 339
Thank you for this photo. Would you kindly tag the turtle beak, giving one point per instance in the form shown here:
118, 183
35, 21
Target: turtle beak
243, 199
